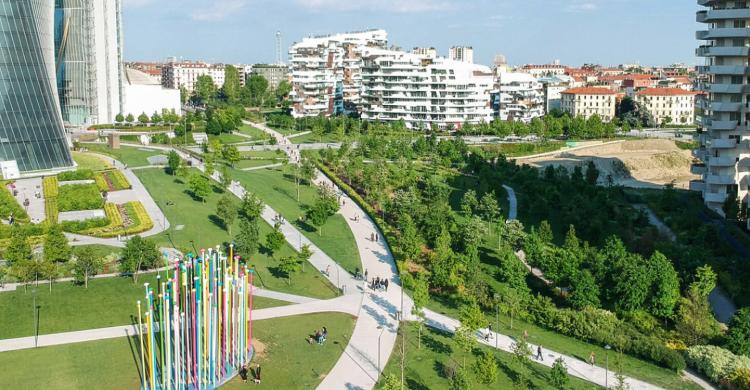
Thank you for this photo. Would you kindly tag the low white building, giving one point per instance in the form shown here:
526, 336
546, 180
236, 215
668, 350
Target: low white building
424, 92
674, 103
176, 75
144, 94
518, 97
553, 87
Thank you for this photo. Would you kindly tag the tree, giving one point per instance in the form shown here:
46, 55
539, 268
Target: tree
283, 90
251, 207
738, 339
248, 239
86, 264
226, 177
324, 207
208, 164
488, 208
143, 119
308, 171
666, 287
205, 89
47, 270
226, 210
156, 118
410, 242
705, 281
460, 380
119, 118
56, 248
138, 254
257, 87
199, 186
232, 154
545, 232
695, 322
558, 376
511, 303
173, 162
592, 173
469, 203
275, 239
391, 382
471, 316
465, 340
290, 265
584, 292
129, 118
231, 88
486, 368
522, 351
19, 249
420, 297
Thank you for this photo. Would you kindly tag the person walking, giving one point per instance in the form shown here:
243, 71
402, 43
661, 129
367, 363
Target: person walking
489, 332
243, 373
592, 359
539, 355
257, 374
385, 284
365, 275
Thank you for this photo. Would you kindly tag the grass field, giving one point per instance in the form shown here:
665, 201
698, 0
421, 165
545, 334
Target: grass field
424, 366
91, 162
197, 222
226, 139
244, 164
264, 154
107, 302
312, 139
522, 149
288, 362
130, 155
256, 133
280, 193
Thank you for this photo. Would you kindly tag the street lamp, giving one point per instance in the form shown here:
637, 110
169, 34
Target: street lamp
382, 329
606, 367
497, 318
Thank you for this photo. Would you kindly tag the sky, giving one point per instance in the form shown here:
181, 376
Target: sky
607, 32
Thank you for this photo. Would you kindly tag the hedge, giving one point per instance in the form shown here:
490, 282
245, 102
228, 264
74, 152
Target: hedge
81, 174
50, 185
79, 197
9, 205
101, 183
140, 221
715, 362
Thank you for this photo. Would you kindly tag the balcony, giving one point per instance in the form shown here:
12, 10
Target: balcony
725, 70
708, 16
722, 162
723, 180
722, 51
724, 143
725, 106
700, 154
725, 88
698, 169
697, 185
715, 197
721, 125
716, 33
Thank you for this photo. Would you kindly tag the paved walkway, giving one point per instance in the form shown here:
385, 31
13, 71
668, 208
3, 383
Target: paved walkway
27, 188
512, 202
262, 167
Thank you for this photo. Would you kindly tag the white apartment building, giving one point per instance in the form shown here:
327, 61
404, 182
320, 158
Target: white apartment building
676, 104
429, 52
725, 148
543, 70
424, 92
553, 87
326, 72
176, 75
588, 101
462, 54
88, 48
518, 97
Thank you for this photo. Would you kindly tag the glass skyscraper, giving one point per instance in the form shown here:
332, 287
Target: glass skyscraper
31, 128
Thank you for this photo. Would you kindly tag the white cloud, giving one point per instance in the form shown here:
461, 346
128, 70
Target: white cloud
217, 11
396, 6
579, 6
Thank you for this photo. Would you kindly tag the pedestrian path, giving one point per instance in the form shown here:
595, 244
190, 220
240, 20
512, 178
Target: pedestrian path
512, 202
262, 167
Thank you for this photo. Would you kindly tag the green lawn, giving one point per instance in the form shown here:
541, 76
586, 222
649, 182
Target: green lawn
312, 139
288, 362
130, 155
522, 149
69, 307
226, 139
243, 164
196, 222
631, 366
256, 133
280, 193
264, 154
92, 162
424, 366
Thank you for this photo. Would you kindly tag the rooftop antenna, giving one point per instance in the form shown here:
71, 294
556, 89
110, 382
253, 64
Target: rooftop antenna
278, 49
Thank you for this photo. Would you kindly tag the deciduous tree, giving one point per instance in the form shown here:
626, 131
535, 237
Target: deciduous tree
86, 265
56, 248
275, 239
138, 254
226, 210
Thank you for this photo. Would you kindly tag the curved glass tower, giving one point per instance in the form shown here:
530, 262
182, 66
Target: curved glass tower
31, 128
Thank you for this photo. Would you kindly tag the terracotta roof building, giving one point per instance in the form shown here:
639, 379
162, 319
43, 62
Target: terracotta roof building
589, 101
673, 105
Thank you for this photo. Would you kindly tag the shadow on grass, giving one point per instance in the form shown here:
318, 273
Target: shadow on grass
217, 221
434, 344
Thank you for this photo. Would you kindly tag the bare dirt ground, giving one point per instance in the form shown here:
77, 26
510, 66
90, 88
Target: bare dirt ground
639, 164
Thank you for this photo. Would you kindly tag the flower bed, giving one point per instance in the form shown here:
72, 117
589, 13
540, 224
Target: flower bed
112, 180
50, 186
127, 219
79, 197
51, 210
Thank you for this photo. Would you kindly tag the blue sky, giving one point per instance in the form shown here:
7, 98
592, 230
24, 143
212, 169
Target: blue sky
608, 32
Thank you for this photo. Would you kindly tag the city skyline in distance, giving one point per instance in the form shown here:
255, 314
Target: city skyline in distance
525, 31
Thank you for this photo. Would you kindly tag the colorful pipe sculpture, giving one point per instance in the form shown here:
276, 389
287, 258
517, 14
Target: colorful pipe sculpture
196, 332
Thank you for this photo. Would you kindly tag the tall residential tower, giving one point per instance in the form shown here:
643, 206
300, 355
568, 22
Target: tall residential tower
31, 130
726, 139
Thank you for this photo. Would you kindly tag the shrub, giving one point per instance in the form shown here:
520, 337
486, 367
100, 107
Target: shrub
51, 210
138, 221
79, 197
9, 205
81, 174
50, 186
101, 183
739, 379
715, 362
79, 226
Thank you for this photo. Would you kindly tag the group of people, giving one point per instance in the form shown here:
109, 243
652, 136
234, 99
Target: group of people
244, 371
319, 336
374, 237
378, 283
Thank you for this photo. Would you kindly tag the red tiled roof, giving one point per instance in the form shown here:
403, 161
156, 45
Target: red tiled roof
624, 77
589, 91
664, 92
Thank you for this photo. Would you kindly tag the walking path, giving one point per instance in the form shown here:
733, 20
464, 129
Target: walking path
512, 203
261, 167
27, 190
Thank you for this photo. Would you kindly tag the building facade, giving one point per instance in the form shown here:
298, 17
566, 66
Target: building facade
461, 54
424, 92
553, 87
725, 148
145, 95
177, 75
588, 101
672, 105
275, 74
543, 70
429, 52
518, 97
88, 45
326, 72
32, 136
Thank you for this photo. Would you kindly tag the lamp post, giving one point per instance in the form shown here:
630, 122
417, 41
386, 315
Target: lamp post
606, 367
382, 329
497, 318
